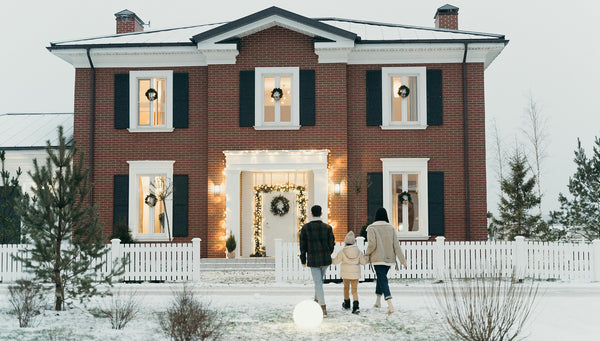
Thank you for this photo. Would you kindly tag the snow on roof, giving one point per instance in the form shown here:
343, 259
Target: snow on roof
365, 30
29, 131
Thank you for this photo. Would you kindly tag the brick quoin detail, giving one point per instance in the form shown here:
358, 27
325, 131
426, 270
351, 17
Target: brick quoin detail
340, 128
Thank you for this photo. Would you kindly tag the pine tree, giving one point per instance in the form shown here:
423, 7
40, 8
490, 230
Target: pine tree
63, 226
517, 199
10, 195
581, 214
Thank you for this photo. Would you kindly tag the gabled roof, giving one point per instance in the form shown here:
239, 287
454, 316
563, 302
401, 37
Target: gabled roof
270, 12
31, 131
357, 30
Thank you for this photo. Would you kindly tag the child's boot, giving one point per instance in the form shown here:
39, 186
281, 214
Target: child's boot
346, 304
355, 309
390, 306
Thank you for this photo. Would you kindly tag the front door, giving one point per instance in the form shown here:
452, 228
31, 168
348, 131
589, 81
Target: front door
282, 225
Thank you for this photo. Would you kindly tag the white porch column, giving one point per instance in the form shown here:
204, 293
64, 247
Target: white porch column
232, 203
321, 189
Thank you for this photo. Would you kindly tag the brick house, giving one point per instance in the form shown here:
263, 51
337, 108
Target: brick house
255, 120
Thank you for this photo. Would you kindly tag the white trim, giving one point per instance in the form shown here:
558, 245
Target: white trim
386, 97
146, 167
400, 165
133, 100
272, 160
259, 97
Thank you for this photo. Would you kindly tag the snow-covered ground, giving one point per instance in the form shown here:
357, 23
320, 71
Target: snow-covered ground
259, 309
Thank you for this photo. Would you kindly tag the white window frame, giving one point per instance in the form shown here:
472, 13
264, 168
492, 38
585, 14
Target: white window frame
259, 115
386, 97
393, 166
140, 168
134, 76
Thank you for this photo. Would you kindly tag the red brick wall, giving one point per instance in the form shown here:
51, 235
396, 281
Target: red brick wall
448, 21
340, 123
125, 25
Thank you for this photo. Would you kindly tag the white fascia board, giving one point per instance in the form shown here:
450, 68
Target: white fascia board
424, 53
170, 56
334, 52
276, 159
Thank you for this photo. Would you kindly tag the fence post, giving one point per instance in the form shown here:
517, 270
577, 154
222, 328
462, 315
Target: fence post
278, 260
519, 258
196, 259
438, 258
115, 253
595, 256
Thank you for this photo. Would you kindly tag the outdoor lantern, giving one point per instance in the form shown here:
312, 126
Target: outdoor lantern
217, 189
336, 189
308, 314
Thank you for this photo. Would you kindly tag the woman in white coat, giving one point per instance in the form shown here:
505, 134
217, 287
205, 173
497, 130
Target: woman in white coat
382, 251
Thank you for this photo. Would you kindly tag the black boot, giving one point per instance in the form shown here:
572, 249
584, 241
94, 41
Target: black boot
346, 304
355, 309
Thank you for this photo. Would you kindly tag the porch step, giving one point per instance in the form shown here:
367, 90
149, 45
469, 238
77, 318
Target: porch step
238, 264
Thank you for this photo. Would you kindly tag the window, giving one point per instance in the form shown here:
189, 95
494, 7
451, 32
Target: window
147, 219
151, 106
406, 178
278, 100
404, 98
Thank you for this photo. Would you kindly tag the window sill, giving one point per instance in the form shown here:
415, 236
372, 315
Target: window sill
404, 127
402, 236
277, 127
150, 130
159, 237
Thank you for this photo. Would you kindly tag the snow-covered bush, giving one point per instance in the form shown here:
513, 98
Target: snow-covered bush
27, 301
121, 310
485, 307
188, 319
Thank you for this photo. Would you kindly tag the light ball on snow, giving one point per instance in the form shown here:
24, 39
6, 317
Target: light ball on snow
308, 314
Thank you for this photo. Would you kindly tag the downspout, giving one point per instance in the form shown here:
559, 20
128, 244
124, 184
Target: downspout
92, 119
466, 144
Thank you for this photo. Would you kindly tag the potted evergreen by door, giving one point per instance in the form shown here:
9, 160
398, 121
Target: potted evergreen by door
230, 246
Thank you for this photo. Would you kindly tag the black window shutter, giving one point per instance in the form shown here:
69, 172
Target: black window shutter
120, 200
435, 183
180, 205
374, 194
373, 97
435, 105
247, 98
121, 101
180, 100
307, 97
11, 215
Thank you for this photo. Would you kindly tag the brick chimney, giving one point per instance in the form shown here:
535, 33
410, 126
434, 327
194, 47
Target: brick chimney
446, 17
128, 22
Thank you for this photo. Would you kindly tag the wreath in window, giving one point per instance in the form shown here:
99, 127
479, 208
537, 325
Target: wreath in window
277, 94
280, 206
404, 197
403, 91
150, 200
151, 94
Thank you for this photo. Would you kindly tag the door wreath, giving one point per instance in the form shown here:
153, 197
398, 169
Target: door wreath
280, 206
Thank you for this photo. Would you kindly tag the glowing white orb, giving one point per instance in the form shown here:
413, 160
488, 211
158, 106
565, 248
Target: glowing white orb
308, 314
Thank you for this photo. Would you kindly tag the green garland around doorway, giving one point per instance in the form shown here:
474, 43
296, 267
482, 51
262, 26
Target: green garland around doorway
259, 250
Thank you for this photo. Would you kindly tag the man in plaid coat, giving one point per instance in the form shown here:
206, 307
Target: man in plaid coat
316, 246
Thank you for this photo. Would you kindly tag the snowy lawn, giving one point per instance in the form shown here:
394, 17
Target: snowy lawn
259, 309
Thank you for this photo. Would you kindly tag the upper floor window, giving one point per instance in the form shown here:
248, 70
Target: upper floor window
277, 98
404, 98
151, 106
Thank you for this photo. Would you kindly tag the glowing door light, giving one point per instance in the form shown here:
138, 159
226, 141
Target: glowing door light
308, 314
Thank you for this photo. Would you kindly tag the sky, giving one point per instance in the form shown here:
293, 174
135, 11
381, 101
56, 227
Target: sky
551, 57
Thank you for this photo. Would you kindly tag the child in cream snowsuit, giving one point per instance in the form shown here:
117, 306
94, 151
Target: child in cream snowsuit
351, 258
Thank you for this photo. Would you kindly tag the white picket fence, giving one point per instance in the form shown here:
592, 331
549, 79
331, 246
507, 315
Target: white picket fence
172, 262
439, 259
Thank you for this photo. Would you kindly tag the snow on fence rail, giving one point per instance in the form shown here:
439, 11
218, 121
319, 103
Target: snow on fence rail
463, 259
146, 262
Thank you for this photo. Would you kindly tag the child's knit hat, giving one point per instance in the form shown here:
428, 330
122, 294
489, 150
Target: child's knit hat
349, 240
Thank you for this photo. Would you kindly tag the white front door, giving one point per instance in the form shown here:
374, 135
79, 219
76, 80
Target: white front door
278, 227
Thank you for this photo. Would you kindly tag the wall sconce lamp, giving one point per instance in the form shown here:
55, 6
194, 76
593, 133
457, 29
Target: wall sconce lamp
217, 190
336, 189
